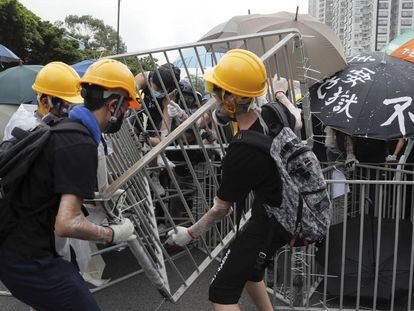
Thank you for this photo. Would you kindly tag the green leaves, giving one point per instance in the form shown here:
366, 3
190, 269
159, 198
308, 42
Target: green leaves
33, 40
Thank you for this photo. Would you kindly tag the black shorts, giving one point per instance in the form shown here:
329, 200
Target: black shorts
238, 264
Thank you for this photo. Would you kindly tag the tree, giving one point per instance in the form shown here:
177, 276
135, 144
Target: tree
198, 83
94, 33
33, 40
146, 63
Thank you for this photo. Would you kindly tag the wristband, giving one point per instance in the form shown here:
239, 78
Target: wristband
113, 235
191, 234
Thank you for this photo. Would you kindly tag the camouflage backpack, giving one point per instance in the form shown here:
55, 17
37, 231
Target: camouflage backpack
306, 207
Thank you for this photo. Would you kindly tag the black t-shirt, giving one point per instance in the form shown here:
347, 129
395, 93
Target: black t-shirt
246, 168
153, 110
67, 165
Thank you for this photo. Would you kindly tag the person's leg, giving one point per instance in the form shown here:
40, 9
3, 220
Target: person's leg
45, 284
219, 307
257, 292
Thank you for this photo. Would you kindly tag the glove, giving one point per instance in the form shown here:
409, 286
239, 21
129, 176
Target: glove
123, 232
280, 85
351, 162
161, 163
182, 237
209, 135
391, 158
174, 110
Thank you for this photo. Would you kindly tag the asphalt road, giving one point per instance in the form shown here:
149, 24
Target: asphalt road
138, 294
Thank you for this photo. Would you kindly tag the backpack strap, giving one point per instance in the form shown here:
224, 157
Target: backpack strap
19, 133
255, 139
69, 125
280, 113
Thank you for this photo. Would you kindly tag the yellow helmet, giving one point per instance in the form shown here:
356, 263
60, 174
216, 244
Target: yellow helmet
239, 72
57, 79
112, 74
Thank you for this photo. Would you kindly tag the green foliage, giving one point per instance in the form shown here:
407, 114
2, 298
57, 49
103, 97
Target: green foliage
198, 83
39, 42
33, 40
146, 63
94, 33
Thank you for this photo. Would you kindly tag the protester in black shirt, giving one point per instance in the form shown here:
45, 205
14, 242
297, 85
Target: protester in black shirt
55, 187
156, 106
238, 78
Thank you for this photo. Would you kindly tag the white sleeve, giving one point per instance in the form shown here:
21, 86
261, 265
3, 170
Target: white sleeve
22, 119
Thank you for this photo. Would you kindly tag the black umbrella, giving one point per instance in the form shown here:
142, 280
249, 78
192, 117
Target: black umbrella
368, 257
372, 97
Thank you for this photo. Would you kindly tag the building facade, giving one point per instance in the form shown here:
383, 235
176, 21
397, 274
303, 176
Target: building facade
364, 25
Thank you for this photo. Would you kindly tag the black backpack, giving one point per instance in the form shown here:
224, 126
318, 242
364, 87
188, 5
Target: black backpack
16, 158
306, 208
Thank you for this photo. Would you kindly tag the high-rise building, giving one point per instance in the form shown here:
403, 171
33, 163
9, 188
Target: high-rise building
322, 10
364, 25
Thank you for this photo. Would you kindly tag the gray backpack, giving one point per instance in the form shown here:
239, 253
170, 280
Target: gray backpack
306, 207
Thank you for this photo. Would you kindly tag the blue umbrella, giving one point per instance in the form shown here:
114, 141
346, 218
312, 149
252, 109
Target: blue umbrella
7, 56
82, 66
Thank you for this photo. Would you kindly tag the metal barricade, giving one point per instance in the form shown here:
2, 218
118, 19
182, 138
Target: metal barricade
190, 166
367, 260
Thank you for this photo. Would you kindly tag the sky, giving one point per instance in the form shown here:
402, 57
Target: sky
154, 24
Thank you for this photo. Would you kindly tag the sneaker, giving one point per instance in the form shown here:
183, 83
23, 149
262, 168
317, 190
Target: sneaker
162, 229
158, 188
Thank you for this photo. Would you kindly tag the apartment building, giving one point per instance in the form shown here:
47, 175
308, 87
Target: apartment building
364, 25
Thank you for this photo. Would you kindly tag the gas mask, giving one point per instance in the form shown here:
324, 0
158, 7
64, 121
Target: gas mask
222, 118
233, 104
114, 124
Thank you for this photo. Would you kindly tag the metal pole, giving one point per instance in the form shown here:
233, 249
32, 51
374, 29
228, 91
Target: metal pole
117, 28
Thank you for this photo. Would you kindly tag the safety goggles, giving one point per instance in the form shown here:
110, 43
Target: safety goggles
230, 101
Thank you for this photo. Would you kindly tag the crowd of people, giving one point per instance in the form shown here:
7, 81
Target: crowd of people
44, 207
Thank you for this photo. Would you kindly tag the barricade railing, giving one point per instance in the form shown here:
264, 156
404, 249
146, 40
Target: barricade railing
187, 167
367, 260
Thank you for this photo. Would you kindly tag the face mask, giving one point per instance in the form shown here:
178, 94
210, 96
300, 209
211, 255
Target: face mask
62, 110
159, 96
113, 127
222, 118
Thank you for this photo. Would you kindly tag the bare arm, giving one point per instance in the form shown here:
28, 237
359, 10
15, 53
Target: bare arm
140, 80
349, 145
71, 223
399, 146
295, 111
218, 211
166, 120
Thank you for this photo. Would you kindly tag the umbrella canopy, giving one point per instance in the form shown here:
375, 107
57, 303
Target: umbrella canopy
369, 248
371, 98
7, 56
322, 46
82, 66
16, 84
402, 46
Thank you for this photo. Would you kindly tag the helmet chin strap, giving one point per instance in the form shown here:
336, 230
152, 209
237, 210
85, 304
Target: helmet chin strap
255, 108
114, 118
